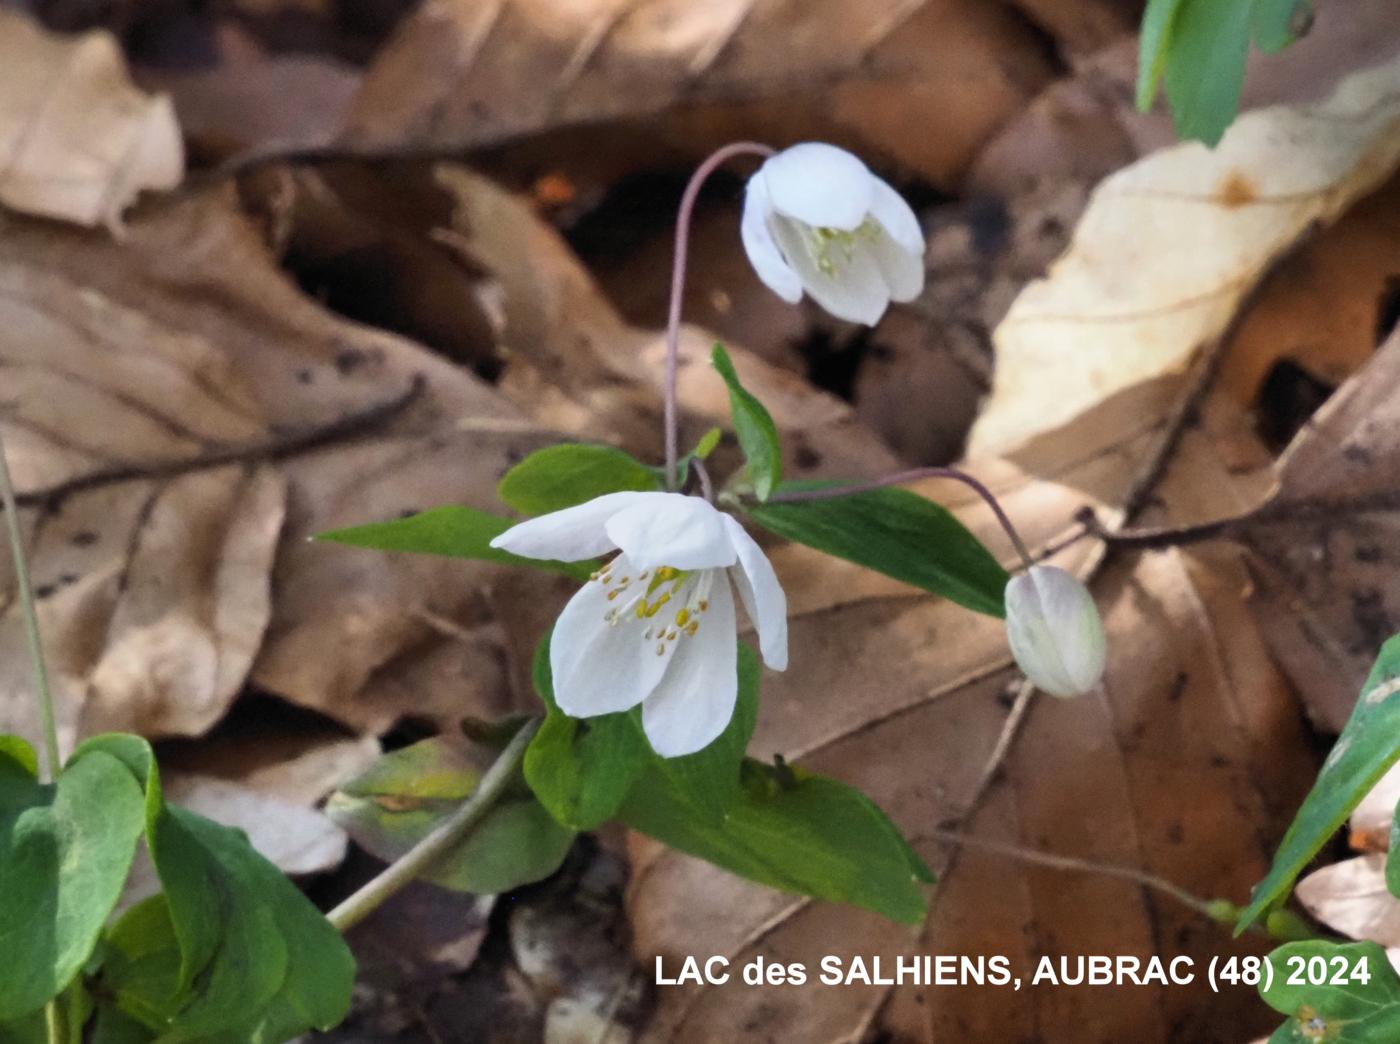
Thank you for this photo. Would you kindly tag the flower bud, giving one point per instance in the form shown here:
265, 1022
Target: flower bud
1055, 631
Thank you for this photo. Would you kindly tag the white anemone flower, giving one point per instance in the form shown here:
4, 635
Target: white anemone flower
816, 219
656, 625
1055, 631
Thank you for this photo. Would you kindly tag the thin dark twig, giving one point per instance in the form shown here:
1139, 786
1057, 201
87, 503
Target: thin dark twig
278, 448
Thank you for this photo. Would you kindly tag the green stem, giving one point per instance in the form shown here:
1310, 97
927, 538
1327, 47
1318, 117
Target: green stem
432, 848
31, 616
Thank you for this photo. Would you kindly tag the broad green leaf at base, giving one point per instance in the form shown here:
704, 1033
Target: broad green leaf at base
65, 851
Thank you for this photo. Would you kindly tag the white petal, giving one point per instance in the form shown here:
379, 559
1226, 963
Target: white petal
671, 529
696, 697
570, 535
820, 185
764, 255
761, 594
1055, 631
853, 289
903, 271
897, 218
599, 667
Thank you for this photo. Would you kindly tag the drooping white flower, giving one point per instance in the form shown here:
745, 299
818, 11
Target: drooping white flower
816, 219
656, 625
1055, 631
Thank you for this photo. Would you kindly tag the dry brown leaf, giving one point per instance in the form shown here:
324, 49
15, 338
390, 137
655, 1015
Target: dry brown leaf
1185, 766
186, 341
1169, 248
921, 81
1327, 590
77, 140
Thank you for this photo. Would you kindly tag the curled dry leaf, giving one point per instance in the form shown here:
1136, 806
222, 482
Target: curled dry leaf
924, 82
1185, 765
1169, 248
78, 141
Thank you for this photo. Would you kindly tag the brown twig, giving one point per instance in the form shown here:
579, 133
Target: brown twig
277, 448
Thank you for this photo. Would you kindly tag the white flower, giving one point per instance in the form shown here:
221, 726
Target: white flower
1055, 631
656, 625
817, 219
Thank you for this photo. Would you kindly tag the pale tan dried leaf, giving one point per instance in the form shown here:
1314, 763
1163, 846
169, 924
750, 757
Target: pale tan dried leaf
921, 80
1351, 897
1185, 765
77, 140
1170, 246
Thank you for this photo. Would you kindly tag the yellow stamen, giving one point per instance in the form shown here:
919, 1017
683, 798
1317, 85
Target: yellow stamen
682, 617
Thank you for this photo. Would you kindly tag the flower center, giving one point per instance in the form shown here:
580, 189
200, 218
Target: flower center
687, 592
825, 240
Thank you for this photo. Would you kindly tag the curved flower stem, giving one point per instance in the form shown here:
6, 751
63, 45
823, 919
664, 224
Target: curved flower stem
673, 319
31, 616
427, 851
55, 1022
706, 486
914, 475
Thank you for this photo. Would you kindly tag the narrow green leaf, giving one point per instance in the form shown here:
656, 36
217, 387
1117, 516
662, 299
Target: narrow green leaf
1154, 47
898, 533
796, 832
1340, 994
454, 532
65, 850
406, 794
1205, 66
758, 435
18, 750
1367, 747
559, 477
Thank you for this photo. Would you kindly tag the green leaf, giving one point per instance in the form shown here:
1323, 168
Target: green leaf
1154, 45
1327, 1001
454, 532
1279, 23
1368, 745
796, 832
65, 850
1205, 67
406, 794
582, 769
238, 953
559, 477
898, 533
758, 435
1392, 858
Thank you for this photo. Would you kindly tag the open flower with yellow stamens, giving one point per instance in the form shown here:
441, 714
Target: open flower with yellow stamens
816, 219
656, 625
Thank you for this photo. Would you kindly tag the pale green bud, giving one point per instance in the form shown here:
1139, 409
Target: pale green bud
1055, 631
